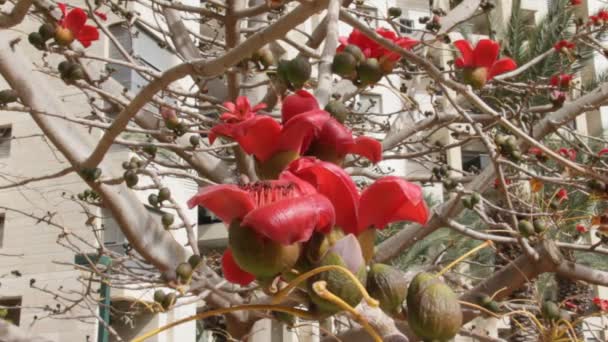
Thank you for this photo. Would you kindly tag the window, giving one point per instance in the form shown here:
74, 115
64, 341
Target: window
2, 220
370, 103
474, 161
113, 238
406, 25
6, 133
120, 73
10, 309
206, 217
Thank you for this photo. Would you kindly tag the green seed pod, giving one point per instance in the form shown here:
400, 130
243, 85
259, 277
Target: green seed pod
539, 226
526, 228
184, 272
346, 253
75, 72
550, 310
167, 219
475, 198
159, 296
169, 300
434, 312
63, 67
153, 200
355, 51
298, 71
344, 64
389, 286
195, 140
164, 194
195, 260
47, 31
150, 149
131, 178
36, 40
369, 72
337, 110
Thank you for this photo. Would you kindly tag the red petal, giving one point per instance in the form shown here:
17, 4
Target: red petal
230, 106
298, 133
368, 148
466, 51
87, 34
298, 103
242, 104
602, 152
226, 201
292, 220
335, 184
391, 199
501, 66
485, 53
258, 107
75, 20
63, 7
258, 136
101, 15
232, 272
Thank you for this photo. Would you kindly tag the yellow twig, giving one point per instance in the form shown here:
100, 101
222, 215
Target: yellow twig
464, 256
320, 288
203, 315
280, 296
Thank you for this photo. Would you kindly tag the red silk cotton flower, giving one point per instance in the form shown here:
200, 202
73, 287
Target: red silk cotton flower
563, 46
305, 129
73, 26
232, 272
561, 80
569, 153
240, 110
576, 2
602, 304
480, 64
600, 18
387, 200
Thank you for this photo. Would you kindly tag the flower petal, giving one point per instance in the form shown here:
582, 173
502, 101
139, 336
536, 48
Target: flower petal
466, 51
485, 53
258, 135
87, 34
63, 7
230, 106
602, 152
226, 201
298, 103
259, 107
501, 66
335, 184
292, 220
368, 148
391, 199
232, 272
242, 104
300, 130
75, 20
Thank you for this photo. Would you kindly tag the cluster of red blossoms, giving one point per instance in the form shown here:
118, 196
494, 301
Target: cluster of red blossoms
372, 49
600, 18
73, 26
304, 197
481, 65
305, 129
602, 304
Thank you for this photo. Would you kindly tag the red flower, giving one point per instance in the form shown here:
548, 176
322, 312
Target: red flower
561, 80
389, 199
101, 15
563, 46
73, 26
304, 125
569, 153
575, 2
240, 111
480, 63
285, 211
497, 182
535, 151
602, 152
334, 141
602, 304
600, 18
232, 272
581, 228
562, 194
372, 49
